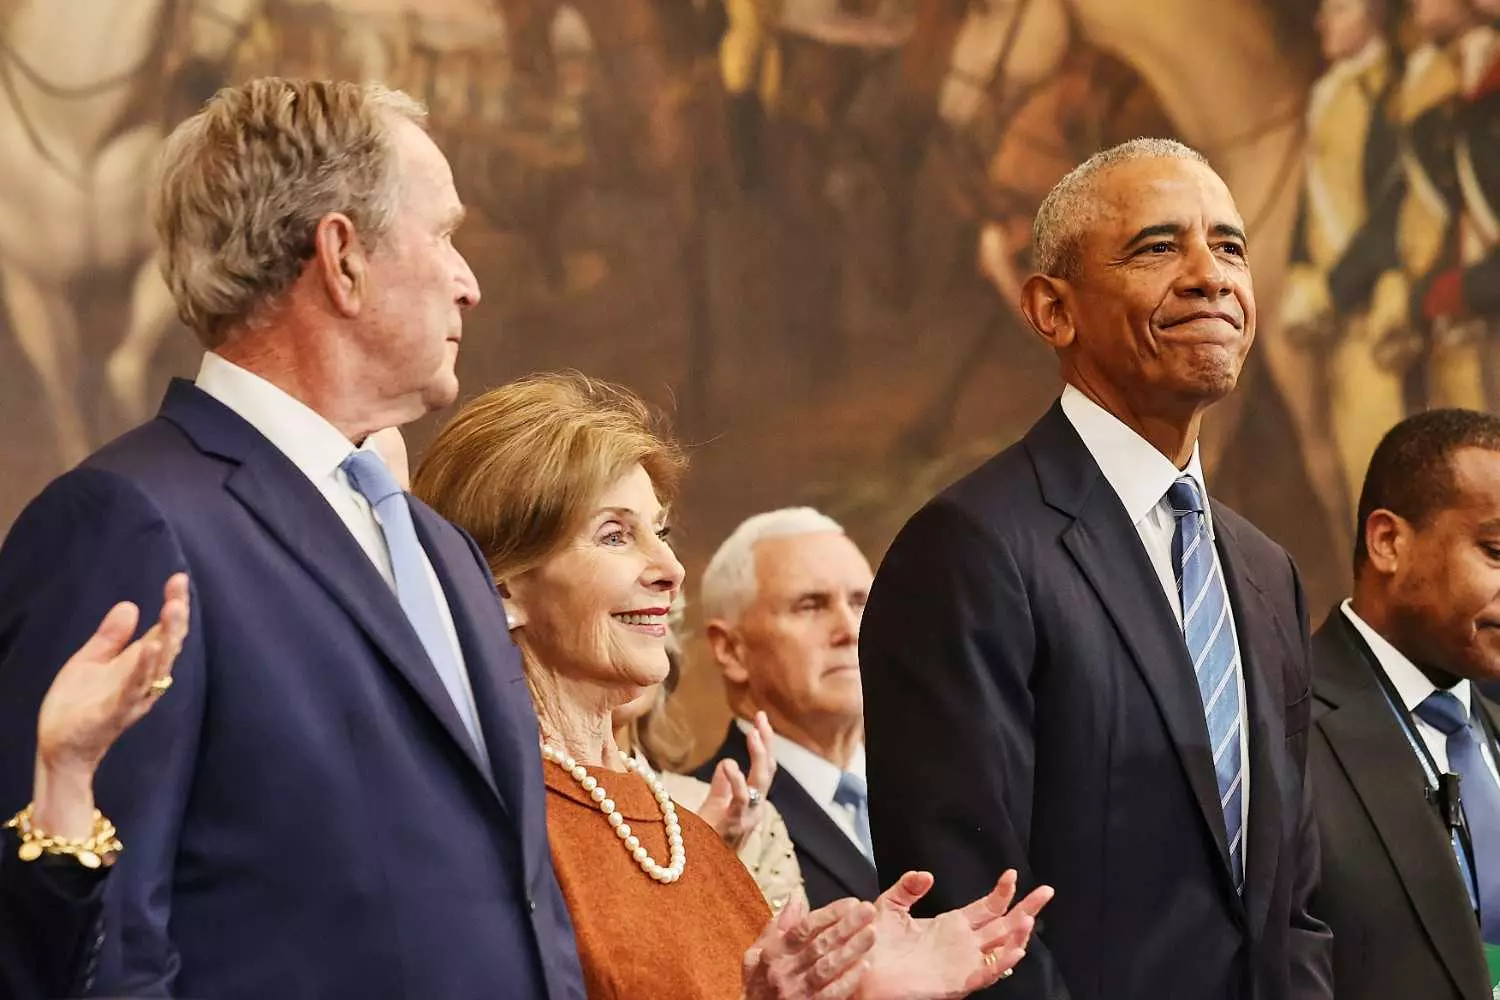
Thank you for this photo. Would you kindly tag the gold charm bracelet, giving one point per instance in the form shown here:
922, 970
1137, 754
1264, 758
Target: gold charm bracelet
99, 848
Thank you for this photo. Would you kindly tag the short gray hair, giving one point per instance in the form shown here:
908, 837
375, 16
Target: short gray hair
729, 583
1057, 231
244, 182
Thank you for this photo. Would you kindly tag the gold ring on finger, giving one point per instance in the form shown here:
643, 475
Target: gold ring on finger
160, 685
989, 958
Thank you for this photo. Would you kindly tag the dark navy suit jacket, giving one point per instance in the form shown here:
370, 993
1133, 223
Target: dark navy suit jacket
832, 867
49, 924
1030, 704
303, 813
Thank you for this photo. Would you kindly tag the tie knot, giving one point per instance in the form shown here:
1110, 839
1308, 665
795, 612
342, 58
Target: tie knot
1184, 497
852, 790
1444, 712
369, 475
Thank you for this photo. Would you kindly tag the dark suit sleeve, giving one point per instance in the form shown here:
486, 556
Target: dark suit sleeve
946, 652
49, 917
1309, 941
90, 540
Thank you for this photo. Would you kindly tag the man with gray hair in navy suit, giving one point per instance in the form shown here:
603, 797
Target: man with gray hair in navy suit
782, 601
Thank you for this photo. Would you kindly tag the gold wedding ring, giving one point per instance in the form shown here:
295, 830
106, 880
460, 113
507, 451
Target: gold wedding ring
160, 686
1007, 973
989, 958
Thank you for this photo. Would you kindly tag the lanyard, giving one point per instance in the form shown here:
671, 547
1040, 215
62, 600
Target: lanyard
1442, 790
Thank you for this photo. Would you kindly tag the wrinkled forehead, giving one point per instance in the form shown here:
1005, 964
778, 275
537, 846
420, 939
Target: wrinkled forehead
1160, 190
1161, 195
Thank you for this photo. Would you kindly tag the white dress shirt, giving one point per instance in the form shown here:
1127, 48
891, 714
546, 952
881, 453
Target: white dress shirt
1140, 475
1413, 687
819, 777
318, 450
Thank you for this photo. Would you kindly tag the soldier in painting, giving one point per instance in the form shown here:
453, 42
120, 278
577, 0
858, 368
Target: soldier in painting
1346, 230
1419, 326
1459, 300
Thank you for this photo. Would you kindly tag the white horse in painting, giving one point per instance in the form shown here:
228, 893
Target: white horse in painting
81, 94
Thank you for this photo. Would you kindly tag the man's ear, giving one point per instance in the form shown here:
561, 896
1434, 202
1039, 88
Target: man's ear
1045, 304
728, 652
340, 264
1388, 539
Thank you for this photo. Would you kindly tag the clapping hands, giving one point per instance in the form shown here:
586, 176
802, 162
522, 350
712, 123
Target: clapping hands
730, 808
881, 952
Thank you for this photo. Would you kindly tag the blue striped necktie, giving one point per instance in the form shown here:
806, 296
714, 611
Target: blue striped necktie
369, 476
1480, 796
1216, 657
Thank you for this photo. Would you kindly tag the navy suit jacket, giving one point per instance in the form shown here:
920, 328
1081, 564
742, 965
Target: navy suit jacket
303, 813
1030, 704
49, 924
832, 867
1391, 887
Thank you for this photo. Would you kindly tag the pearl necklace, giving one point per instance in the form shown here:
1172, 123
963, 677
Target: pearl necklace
632, 844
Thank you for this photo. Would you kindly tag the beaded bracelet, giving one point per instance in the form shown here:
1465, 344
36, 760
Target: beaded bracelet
99, 848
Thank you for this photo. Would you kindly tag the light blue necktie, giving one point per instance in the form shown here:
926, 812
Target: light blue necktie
1479, 794
854, 793
1216, 657
368, 474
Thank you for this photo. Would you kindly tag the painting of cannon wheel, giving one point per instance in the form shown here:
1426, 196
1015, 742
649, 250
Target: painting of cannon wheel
800, 226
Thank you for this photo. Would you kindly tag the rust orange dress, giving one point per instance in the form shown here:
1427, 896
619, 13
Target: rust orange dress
637, 938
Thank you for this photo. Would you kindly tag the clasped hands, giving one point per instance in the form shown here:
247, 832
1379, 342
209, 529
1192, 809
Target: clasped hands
879, 951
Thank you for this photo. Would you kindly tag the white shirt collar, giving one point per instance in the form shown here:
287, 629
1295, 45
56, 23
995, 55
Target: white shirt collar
314, 445
1412, 686
817, 775
1139, 474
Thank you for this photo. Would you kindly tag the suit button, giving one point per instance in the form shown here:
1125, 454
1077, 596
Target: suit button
531, 904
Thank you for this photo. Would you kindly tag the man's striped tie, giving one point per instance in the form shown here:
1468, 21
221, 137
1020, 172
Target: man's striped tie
1216, 656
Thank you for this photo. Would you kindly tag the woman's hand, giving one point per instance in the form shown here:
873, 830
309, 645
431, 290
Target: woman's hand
817, 956
728, 808
101, 691
951, 955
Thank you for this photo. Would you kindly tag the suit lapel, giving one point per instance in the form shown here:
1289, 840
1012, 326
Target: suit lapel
1262, 658
501, 696
293, 512
1108, 551
813, 831
816, 834
1368, 743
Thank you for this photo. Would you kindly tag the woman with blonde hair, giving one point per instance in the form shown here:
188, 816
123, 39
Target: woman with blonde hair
565, 485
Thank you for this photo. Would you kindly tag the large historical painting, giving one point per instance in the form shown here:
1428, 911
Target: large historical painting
801, 225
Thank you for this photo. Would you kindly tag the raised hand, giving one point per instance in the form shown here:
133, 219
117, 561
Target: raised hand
817, 956
951, 955
101, 691
730, 808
